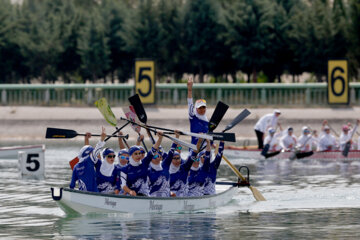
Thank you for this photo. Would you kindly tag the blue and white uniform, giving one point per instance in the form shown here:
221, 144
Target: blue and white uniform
84, 171
134, 175
198, 123
197, 177
106, 174
178, 176
210, 180
159, 177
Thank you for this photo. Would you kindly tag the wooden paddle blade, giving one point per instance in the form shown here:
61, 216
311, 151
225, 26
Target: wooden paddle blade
60, 133
138, 107
238, 119
73, 162
218, 114
227, 137
106, 111
257, 195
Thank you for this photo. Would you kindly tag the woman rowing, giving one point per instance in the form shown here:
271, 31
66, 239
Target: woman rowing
327, 141
210, 180
288, 142
133, 177
273, 141
346, 135
179, 172
304, 144
158, 175
198, 173
84, 171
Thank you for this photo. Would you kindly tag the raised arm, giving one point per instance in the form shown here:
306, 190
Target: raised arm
86, 138
121, 142
218, 157
99, 146
206, 165
139, 139
189, 86
167, 161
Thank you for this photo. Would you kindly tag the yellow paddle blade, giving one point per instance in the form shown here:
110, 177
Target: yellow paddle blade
106, 111
257, 195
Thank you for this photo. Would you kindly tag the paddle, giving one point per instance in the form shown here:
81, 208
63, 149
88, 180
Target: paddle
176, 140
298, 154
217, 115
140, 112
346, 150
67, 133
75, 160
257, 195
132, 116
105, 109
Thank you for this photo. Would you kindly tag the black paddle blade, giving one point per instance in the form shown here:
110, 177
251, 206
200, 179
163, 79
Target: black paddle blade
138, 107
218, 114
60, 133
227, 137
346, 150
265, 149
238, 119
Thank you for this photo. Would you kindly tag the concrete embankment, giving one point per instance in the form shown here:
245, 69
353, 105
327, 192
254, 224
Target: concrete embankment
30, 123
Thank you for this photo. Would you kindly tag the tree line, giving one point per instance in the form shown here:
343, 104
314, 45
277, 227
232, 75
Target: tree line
79, 40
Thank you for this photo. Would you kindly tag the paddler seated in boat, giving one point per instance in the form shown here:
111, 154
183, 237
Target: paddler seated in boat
198, 120
288, 141
210, 180
273, 140
304, 144
158, 175
133, 177
265, 122
106, 172
84, 171
179, 172
346, 135
327, 141
198, 173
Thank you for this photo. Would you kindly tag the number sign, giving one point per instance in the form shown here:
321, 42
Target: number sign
145, 80
32, 164
338, 84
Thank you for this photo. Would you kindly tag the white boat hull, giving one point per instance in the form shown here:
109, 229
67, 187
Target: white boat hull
87, 202
12, 152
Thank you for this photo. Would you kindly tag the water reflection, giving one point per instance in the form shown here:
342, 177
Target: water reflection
127, 226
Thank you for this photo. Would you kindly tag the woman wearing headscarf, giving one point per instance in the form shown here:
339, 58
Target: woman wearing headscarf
179, 172
84, 171
198, 173
210, 180
134, 175
158, 175
106, 172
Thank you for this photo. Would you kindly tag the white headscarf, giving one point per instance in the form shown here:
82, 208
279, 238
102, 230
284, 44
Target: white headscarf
157, 167
133, 163
173, 168
106, 168
195, 168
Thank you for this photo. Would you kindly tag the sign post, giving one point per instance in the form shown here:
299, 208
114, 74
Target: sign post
338, 82
145, 80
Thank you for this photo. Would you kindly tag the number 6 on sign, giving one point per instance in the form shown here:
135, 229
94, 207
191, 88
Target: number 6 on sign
145, 80
338, 84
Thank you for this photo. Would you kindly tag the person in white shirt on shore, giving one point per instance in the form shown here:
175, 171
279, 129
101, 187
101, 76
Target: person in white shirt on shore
288, 142
327, 140
263, 124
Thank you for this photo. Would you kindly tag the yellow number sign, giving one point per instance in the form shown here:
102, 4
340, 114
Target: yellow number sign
145, 80
338, 83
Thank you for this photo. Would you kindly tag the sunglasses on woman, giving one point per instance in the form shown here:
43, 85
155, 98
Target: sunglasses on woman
111, 156
123, 157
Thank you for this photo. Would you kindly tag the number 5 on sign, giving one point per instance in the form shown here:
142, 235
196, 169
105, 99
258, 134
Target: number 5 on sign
145, 80
338, 84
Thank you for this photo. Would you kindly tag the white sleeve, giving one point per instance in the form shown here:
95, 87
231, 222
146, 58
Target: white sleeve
96, 151
191, 107
123, 177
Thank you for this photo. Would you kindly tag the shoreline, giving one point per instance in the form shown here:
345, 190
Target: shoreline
23, 123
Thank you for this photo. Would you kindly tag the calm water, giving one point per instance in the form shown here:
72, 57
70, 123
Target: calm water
305, 200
